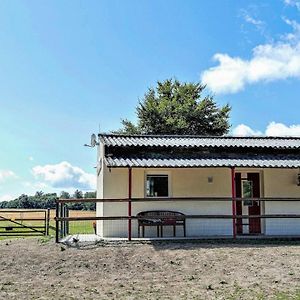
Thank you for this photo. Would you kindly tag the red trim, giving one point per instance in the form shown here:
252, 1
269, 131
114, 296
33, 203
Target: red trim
233, 202
129, 202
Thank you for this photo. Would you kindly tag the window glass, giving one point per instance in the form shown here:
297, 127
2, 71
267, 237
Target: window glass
247, 191
157, 186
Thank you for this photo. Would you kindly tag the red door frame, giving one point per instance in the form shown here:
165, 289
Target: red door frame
238, 192
255, 209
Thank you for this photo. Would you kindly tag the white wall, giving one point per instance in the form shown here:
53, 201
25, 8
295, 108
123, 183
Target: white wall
100, 188
183, 183
281, 183
282, 226
194, 182
197, 227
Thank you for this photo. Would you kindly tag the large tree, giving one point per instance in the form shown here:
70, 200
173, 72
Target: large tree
174, 107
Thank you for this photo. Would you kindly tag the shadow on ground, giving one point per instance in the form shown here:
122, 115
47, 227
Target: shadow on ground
187, 244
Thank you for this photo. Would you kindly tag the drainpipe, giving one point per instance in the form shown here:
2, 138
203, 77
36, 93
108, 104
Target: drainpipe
233, 194
129, 201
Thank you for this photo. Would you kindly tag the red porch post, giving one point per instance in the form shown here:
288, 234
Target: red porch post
233, 193
129, 202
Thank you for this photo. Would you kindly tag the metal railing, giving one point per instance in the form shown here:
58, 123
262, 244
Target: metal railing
24, 222
277, 216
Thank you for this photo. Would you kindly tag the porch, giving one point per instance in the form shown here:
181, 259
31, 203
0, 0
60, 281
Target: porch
216, 220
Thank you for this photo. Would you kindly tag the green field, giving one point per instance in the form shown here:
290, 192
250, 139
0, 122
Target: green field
20, 226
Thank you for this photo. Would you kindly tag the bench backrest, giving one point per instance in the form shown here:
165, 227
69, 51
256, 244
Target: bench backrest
159, 213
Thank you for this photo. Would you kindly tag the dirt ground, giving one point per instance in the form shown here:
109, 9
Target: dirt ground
36, 268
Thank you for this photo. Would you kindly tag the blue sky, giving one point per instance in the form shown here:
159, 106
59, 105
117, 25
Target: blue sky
68, 66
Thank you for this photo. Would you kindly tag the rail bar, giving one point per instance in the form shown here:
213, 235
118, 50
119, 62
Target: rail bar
274, 216
125, 200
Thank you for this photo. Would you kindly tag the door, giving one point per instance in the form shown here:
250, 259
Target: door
248, 187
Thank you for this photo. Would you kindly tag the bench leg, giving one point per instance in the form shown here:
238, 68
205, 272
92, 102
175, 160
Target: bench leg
174, 230
184, 232
161, 231
143, 231
157, 230
139, 231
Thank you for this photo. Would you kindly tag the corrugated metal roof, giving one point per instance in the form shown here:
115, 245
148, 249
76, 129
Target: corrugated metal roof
251, 162
162, 156
199, 141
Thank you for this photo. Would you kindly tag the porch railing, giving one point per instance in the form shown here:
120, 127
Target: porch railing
276, 215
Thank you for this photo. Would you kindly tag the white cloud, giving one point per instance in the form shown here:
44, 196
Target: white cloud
5, 174
35, 185
279, 129
6, 197
244, 130
252, 20
294, 3
64, 175
269, 62
273, 129
249, 16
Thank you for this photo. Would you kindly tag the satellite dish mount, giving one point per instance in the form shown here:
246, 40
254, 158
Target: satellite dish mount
93, 141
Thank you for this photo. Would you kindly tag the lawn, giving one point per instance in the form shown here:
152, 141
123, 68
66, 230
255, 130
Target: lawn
20, 217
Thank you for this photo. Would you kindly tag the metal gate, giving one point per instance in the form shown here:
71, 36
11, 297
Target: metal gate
24, 222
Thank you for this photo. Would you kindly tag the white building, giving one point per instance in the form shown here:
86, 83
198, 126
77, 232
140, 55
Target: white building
216, 182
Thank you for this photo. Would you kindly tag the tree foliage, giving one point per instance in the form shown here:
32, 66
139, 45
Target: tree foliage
78, 194
43, 201
64, 195
40, 201
178, 108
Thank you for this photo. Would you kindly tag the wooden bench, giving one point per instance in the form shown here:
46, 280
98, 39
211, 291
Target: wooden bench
160, 218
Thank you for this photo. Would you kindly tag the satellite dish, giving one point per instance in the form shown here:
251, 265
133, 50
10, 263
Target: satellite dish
93, 140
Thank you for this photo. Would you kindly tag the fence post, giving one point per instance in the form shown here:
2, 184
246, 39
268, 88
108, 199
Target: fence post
67, 222
62, 223
129, 202
64, 215
233, 202
57, 222
47, 221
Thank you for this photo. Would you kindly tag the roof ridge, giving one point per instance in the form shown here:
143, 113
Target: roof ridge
197, 136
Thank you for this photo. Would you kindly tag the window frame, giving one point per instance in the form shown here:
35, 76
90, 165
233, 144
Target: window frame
157, 173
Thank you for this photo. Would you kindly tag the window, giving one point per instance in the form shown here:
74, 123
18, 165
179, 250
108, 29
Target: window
157, 186
247, 192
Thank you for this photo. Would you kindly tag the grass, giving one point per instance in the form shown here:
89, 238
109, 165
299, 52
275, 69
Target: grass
238, 293
75, 227
288, 296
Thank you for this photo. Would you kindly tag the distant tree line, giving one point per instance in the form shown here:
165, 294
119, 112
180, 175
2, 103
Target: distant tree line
47, 200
